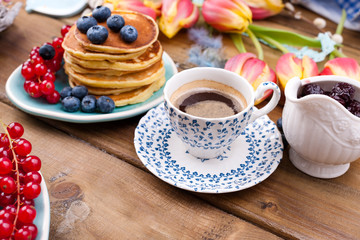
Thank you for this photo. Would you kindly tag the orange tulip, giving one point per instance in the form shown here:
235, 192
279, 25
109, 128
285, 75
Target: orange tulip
227, 15
252, 69
132, 5
264, 8
347, 67
289, 66
177, 14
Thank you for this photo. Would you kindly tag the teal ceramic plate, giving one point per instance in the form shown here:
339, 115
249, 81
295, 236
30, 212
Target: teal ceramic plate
42, 206
39, 107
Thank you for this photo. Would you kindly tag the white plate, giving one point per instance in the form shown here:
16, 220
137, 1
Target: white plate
42, 206
252, 158
39, 107
56, 8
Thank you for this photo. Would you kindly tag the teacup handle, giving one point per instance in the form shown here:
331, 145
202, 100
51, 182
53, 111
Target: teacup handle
271, 104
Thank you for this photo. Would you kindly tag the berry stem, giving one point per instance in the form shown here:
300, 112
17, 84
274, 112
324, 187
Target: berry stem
16, 163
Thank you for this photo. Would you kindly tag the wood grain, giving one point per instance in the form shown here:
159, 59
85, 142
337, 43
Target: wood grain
94, 195
99, 189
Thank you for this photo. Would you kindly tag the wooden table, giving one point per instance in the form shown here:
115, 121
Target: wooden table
99, 189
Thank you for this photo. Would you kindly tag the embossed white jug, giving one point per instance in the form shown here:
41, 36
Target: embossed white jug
324, 137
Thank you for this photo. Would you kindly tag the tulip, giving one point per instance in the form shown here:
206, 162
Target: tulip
252, 69
155, 5
132, 5
227, 15
177, 14
265, 8
347, 67
289, 66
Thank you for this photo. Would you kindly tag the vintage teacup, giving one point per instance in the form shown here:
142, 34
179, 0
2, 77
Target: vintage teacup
324, 137
207, 137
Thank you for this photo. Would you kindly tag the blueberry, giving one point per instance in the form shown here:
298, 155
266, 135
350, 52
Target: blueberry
79, 91
101, 13
105, 104
115, 22
88, 104
128, 33
47, 52
84, 23
343, 91
97, 34
311, 88
65, 92
70, 104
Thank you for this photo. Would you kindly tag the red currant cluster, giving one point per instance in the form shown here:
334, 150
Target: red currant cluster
39, 70
19, 184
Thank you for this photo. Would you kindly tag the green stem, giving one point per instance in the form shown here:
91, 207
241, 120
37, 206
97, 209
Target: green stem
337, 53
340, 26
273, 42
256, 44
238, 42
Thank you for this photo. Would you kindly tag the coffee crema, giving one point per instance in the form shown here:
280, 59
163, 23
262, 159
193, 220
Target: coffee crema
208, 99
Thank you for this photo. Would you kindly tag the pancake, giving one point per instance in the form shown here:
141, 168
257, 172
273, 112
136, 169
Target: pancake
152, 55
79, 69
138, 95
72, 46
135, 79
146, 27
100, 91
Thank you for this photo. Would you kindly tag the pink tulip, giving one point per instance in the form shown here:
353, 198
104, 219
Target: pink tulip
155, 5
289, 66
252, 69
263, 9
347, 67
177, 14
227, 15
134, 5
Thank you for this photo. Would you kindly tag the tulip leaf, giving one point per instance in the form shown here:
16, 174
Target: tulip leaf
285, 37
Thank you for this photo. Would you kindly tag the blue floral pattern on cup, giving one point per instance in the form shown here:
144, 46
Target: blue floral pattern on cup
252, 158
201, 134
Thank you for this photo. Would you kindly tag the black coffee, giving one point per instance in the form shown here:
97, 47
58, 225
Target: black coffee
209, 99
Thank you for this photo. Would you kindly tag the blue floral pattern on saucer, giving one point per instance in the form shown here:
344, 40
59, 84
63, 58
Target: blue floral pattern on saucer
252, 158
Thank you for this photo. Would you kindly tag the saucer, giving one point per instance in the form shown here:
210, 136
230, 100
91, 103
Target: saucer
252, 158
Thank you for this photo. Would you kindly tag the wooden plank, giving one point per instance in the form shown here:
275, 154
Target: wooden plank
97, 196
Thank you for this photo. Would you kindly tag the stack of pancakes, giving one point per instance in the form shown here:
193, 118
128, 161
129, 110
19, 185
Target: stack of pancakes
126, 72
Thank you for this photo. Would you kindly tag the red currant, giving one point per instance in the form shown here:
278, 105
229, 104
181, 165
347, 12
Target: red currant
6, 228
15, 129
6, 152
50, 76
27, 84
28, 72
34, 51
32, 177
36, 59
57, 45
7, 185
34, 90
31, 190
33, 229
5, 165
47, 87
6, 199
53, 64
27, 214
4, 140
65, 29
53, 98
40, 69
22, 146
25, 201
31, 163
7, 214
